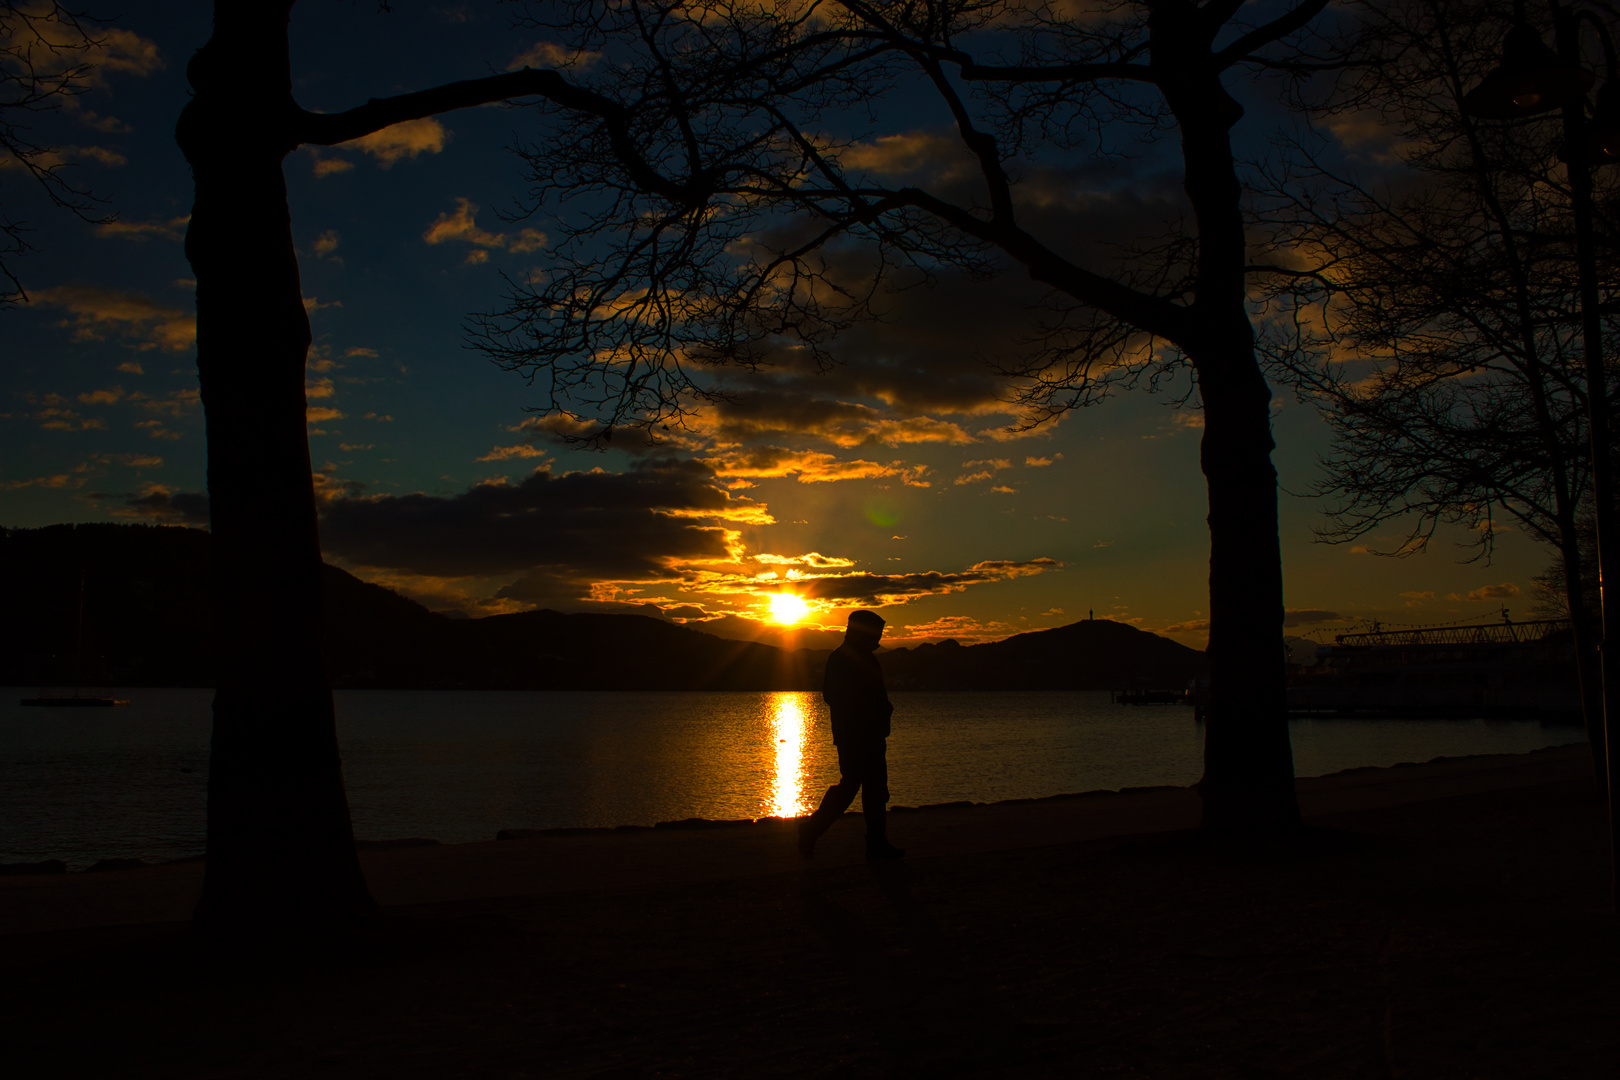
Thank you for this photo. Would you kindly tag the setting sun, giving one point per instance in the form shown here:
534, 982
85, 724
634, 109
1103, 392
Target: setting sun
788, 608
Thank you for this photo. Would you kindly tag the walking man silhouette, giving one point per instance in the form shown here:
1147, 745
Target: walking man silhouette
860, 709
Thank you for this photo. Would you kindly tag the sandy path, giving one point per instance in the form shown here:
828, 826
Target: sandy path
1446, 920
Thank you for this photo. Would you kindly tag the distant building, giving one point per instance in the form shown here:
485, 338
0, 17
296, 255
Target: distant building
1507, 670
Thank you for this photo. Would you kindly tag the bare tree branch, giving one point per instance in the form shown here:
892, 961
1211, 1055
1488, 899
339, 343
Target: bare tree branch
47, 56
329, 129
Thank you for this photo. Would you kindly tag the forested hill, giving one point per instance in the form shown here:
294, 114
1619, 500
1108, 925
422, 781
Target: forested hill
1090, 655
148, 592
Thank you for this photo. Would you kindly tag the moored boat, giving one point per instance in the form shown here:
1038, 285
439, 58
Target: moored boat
75, 701
78, 697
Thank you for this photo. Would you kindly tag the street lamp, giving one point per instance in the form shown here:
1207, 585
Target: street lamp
1534, 79
1531, 79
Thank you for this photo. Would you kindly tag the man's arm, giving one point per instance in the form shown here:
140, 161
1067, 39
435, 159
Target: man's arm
837, 687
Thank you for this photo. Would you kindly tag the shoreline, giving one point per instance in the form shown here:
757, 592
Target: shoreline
116, 865
409, 872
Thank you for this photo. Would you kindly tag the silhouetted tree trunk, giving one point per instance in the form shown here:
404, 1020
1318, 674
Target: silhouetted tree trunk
1248, 781
280, 844
1248, 778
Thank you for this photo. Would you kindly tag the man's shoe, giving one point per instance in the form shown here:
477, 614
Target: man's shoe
884, 850
807, 843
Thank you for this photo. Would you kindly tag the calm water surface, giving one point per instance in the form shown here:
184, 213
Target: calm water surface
83, 785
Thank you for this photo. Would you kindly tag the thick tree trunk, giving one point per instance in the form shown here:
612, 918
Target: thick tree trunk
281, 851
1248, 782
1584, 633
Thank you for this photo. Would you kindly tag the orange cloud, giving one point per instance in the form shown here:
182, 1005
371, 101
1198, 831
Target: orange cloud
172, 229
65, 155
53, 482
950, 627
547, 54
174, 403
328, 166
398, 142
122, 51
940, 156
93, 313
815, 560
459, 226
55, 413
809, 466
83, 471
157, 429
507, 453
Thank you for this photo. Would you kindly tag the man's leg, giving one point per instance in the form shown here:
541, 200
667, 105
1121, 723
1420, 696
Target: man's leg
875, 800
833, 804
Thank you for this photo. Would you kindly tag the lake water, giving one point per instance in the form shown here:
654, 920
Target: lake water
456, 766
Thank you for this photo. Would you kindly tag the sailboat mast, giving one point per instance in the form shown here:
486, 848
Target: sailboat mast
78, 641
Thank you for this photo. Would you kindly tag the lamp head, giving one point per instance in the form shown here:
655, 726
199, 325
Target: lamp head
1531, 79
1603, 129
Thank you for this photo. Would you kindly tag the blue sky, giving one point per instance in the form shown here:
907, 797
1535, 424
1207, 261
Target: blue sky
959, 529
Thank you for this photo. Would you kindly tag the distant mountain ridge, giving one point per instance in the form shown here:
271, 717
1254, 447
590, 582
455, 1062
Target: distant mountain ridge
149, 589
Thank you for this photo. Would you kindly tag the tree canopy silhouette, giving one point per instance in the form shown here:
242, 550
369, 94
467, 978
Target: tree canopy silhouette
1436, 315
771, 232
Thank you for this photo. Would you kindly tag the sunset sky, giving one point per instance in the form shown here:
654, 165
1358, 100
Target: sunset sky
891, 481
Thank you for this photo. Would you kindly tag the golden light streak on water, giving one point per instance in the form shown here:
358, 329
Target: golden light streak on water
790, 726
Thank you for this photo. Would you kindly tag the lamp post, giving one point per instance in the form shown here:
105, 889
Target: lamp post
1534, 79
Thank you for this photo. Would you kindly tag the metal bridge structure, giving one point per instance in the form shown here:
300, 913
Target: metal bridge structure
1501, 633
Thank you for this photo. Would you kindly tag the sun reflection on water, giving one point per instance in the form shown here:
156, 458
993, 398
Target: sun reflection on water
790, 726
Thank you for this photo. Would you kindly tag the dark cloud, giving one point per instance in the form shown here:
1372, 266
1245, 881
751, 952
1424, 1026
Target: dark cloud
865, 588
562, 429
936, 341
160, 504
926, 368
1306, 616
931, 351
563, 528
770, 411
738, 628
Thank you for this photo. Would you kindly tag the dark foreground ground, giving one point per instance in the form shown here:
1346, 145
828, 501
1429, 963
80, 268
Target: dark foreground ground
1460, 936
